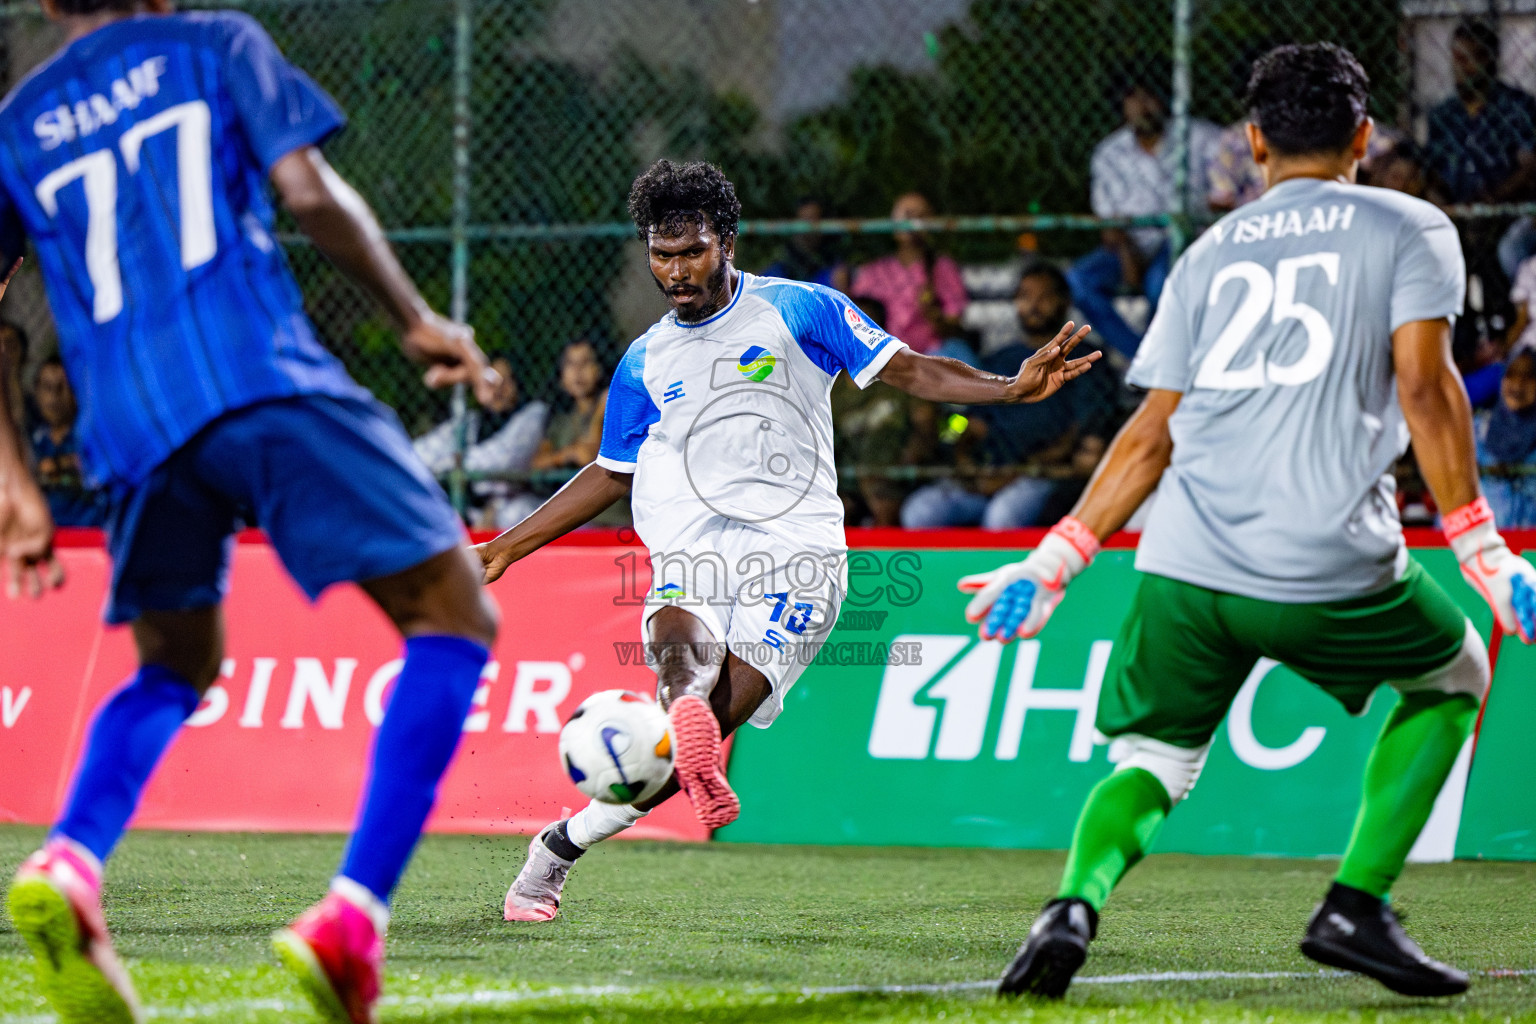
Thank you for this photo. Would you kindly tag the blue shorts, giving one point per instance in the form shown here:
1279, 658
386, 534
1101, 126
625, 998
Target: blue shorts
333, 482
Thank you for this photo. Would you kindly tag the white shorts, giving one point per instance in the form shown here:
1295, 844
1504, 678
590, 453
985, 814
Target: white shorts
770, 605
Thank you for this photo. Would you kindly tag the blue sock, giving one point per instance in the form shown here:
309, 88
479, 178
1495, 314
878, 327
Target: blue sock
131, 731
421, 731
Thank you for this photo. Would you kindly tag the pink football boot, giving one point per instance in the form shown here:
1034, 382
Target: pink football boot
55, 902
337, 954
697, 764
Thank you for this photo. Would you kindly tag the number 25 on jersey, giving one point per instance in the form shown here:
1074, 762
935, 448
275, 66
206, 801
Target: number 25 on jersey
1273, 296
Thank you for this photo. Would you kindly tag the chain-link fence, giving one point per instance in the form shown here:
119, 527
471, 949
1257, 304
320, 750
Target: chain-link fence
497, 140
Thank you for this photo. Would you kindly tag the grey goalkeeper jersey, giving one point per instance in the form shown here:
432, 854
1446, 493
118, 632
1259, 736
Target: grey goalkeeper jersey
1277, 328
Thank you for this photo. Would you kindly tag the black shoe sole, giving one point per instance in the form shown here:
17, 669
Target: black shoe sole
1044, 968
1418, 984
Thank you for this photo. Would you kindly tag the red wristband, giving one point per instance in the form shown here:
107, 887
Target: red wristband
1470, 515
1076, 533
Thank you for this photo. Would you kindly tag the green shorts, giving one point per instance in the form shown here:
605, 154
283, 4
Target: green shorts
1184, 651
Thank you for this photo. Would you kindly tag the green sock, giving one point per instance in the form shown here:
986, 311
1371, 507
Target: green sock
1408, 766
1119, 821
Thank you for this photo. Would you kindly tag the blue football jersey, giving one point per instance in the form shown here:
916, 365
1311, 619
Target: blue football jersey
137, 161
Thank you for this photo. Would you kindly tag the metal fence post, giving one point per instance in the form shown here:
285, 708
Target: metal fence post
1183, 156
463, 41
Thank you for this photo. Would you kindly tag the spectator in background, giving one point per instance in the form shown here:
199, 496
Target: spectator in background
811, 256
1064, 432
573, 435
14, 346
576, 431
56, 451
874, 429
1522, 332
502, 436
1132, 176
1482, 141
920, 288
1401, 169
1507, 439
1234, 177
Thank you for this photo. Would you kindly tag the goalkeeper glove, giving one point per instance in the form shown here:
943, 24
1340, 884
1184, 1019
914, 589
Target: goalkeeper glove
1017, 599
1506, 581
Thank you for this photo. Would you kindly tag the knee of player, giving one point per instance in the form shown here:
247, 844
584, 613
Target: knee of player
203, 676
1469, 672
679, 678
478, 619
487, 621
1177, 768
188, 647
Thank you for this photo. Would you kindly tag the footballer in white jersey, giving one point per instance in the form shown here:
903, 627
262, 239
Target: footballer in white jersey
718, 427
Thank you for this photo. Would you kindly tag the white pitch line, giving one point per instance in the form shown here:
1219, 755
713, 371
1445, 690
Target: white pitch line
1092, 979
498, 997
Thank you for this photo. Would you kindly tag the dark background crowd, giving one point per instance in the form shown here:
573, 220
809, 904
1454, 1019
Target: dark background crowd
903, 462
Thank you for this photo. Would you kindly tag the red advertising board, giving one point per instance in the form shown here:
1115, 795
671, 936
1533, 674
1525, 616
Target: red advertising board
281, 742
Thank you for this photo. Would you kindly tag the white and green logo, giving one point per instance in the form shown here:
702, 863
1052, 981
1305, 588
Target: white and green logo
756, 363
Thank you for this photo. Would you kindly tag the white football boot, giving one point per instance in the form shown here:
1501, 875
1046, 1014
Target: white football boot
535, 893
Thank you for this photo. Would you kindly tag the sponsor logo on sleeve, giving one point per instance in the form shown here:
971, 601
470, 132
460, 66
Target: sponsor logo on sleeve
868, 333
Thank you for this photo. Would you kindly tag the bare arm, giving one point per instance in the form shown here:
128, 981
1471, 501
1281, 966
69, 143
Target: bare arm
1132, 264
587, 494
26, 526
1519, 184
1434, 403
1017, 599
1522, 321
584, 449
547, 457
344, 228
948, 380
1131, 468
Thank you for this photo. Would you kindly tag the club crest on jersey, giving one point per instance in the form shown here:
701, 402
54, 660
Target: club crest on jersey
756, 363
671, 591
871, 335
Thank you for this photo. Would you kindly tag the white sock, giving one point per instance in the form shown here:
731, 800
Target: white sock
598, 821
360, 897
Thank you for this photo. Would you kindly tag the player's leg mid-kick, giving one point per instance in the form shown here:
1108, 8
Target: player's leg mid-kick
721, 695
709, 419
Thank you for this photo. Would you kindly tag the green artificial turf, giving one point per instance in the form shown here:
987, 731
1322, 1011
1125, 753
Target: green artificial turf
656, 932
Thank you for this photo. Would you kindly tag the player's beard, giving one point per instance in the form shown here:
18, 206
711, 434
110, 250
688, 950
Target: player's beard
715, 287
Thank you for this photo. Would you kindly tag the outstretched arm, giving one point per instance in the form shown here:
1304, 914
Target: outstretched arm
1131, 468
1017, 600
1434, 403
948, 380
1439, 417
343, 227
583, 497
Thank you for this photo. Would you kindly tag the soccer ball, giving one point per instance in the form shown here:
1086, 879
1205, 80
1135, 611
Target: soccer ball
617, 747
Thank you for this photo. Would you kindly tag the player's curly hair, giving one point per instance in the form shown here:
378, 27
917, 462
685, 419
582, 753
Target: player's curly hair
674, 197
1308, 99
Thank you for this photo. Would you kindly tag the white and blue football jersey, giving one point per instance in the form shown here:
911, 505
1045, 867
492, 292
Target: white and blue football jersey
731, 417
